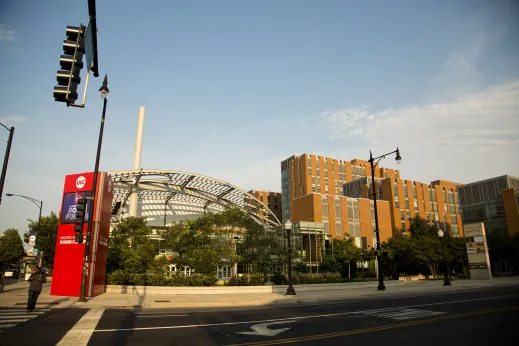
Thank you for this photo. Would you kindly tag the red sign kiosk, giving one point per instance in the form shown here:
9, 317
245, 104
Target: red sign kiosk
68, 259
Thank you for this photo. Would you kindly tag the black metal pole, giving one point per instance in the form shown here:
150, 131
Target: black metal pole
381, 286
165, 212
290, 290
446, 281
82, 294
6, 161
38, 231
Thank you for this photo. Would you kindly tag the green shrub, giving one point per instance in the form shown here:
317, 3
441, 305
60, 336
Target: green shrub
301, 268
121, 277
332, 278
279, 279
312, 278
234, 281
157, 280
244, 280
118, 277
257, 279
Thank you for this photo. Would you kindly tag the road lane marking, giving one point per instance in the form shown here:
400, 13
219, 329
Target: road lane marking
373, 329
292, 318
400, 314
150, 315
82, 331
14, 320
264, 330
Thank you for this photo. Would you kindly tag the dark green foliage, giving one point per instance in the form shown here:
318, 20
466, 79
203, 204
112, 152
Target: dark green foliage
279, 279
11, 248
120, 277
300, 268
47, 230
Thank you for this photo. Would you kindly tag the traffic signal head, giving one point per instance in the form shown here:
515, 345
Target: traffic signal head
80, 215
78, 238
71, 63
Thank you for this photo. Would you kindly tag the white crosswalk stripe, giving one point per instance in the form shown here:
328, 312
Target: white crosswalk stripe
401, 314
12, 317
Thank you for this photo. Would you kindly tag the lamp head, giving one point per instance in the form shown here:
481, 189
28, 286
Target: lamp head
288, 224
103, 90
440, 233
398, 158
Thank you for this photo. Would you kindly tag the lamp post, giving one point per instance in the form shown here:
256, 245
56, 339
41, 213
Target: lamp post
398, 159
6, 159
446, 281
104, 93
39, 204
290, 290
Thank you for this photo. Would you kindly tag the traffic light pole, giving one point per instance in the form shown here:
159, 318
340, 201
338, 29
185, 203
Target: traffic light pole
82, 294
6, 159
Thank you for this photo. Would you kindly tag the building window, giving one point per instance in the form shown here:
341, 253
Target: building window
407, 215
397, 203
403, 226
414, 191
325, 207
452, 209
338, 209
406, 203
395, 189
405, 191
338, 227
302, 190
224, 272
364, 243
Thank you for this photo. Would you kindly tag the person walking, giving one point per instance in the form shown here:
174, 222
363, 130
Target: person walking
36, 280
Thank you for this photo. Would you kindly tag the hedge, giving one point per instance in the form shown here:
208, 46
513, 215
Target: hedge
120, 277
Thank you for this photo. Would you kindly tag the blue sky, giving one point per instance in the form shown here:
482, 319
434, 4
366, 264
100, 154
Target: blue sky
233, 87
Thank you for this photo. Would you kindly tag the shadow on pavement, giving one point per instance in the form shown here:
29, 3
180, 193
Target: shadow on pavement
128, 322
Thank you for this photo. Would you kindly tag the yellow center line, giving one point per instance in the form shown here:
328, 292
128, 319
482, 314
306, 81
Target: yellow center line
375, 329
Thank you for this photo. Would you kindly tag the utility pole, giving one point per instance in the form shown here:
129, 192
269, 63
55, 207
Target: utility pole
6, 159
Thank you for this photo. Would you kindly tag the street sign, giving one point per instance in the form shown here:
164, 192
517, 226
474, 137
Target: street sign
35, 252
89, 47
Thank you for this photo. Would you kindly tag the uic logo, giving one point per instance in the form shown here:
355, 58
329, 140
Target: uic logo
80, 182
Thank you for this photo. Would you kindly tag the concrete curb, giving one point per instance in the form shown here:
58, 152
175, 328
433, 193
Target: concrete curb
159, 290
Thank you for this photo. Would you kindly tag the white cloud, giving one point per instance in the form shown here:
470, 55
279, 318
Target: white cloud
261, 175
12, 119
470, 138
7, 35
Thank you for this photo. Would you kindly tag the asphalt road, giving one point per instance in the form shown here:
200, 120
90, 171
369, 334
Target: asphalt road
477, 317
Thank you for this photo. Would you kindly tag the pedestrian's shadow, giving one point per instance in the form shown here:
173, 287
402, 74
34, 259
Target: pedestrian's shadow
128, 322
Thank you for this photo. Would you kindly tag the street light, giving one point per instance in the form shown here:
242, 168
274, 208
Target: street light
446, 281
6, 159
39, 204
103, 93
290, 290
398, 159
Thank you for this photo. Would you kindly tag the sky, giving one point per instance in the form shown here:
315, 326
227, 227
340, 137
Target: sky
232, 88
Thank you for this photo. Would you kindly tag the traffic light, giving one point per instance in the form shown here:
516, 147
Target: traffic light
80, 219
71, 64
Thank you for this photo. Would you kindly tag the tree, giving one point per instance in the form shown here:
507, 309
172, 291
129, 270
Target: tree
11, 248
131, 248
346, 251
429, 252
400, 255
457, 249
330, 265
46, 232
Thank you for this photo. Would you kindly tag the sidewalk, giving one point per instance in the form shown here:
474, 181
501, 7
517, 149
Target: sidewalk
18, 297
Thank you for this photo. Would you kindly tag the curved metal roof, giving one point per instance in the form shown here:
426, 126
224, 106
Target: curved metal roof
170, 186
